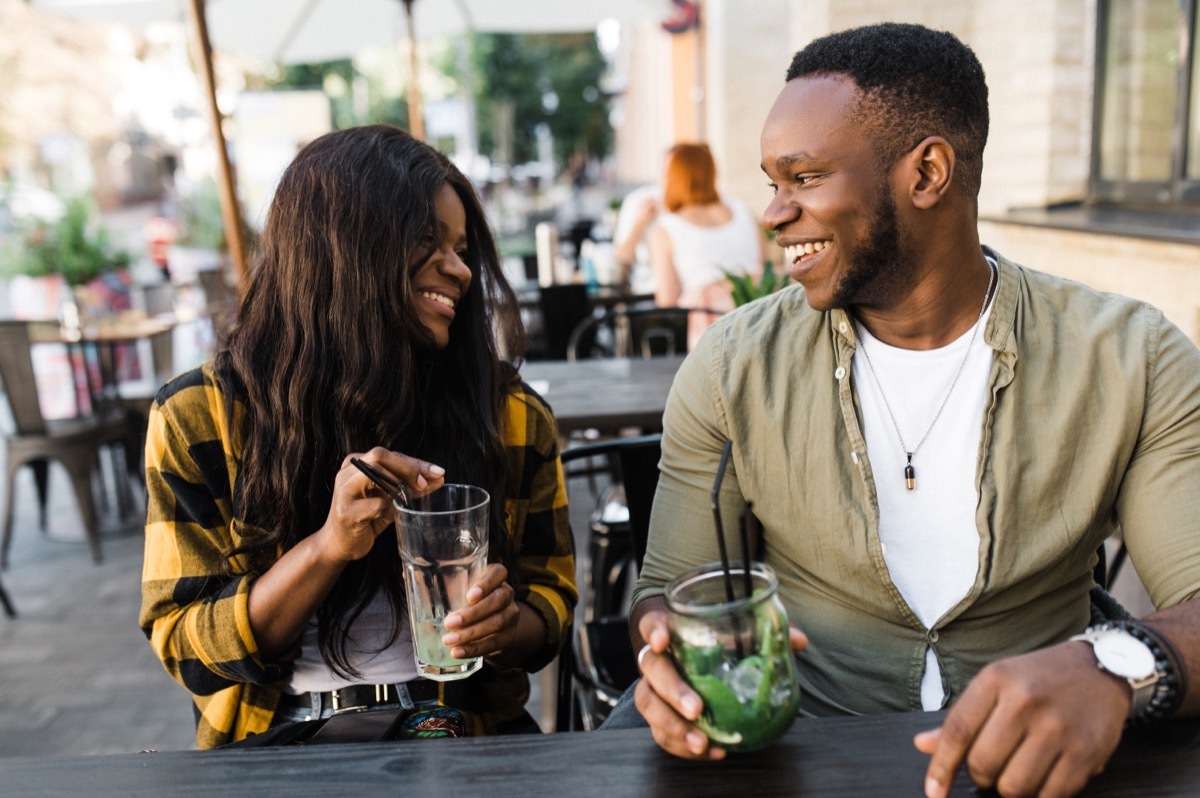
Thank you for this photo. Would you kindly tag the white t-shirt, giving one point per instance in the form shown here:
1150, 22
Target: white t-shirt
929, 535
396, 663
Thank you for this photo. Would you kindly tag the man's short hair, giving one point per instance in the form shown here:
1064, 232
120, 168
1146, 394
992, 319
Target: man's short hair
915, 82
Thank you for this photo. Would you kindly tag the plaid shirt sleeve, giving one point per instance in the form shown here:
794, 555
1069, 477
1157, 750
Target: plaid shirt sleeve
193, 613
538, 523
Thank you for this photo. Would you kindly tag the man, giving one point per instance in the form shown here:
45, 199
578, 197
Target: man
936, 442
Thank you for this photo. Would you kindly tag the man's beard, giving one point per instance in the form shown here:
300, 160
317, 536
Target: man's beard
877, 267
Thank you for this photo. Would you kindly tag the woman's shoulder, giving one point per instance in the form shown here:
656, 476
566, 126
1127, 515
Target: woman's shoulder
529, 415
195, 400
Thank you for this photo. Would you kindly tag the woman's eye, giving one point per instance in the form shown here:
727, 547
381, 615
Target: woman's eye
774, 187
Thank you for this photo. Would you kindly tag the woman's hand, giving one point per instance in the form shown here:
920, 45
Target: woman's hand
488, 625
360, 510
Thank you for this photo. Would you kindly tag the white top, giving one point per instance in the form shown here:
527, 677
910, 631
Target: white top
929, 536
396, 663
702, 255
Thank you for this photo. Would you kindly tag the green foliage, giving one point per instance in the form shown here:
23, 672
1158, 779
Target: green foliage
200, 222
745, 289
73, 247
526, 71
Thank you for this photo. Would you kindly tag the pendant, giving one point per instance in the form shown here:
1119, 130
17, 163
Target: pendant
910, 474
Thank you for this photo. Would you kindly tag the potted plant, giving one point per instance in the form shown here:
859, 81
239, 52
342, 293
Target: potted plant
71, 250
747, 289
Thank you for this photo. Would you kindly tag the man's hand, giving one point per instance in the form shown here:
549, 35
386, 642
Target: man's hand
665, 700
1041, 724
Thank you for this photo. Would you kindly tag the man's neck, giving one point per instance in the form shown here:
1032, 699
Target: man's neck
943, 304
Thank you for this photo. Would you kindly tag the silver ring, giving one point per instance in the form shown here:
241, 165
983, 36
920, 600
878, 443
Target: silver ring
642, 654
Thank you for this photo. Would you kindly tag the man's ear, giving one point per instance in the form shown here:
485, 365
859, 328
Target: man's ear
931, 170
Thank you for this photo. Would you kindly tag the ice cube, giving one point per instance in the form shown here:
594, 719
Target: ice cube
744, 680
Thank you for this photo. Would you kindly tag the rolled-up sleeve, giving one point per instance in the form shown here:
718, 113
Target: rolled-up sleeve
194, 614
538, 521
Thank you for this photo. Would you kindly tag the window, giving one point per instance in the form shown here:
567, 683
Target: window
1146, 146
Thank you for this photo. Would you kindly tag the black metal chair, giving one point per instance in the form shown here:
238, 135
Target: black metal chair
7, 603
604, 662
562, 308
633, 332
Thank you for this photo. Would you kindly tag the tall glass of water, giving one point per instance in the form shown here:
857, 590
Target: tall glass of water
443, 539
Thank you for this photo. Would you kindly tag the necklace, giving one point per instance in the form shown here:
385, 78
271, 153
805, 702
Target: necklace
910, 473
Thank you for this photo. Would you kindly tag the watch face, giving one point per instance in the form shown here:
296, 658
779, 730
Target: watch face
1124, 655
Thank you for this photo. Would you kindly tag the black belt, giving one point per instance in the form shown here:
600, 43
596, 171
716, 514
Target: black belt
363, 697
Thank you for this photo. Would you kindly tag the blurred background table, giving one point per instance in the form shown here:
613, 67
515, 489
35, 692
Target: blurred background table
608, 395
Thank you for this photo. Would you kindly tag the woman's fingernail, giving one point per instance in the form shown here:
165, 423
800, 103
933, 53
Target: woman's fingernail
452, 621
474, 594
421, 483
436, 470
933, 788
691, 707
450, 639
696, 742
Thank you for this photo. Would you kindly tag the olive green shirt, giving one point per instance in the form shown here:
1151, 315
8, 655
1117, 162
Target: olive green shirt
1092, 420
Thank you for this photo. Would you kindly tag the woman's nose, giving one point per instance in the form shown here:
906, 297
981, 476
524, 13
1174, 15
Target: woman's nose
454, 266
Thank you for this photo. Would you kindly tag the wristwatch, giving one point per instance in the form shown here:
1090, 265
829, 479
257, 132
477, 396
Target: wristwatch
1125, 656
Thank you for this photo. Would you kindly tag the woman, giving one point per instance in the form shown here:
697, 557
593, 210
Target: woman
367, 329
699, 238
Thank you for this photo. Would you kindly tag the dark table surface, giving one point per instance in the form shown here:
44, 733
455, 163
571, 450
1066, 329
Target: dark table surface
605, 394
865, 756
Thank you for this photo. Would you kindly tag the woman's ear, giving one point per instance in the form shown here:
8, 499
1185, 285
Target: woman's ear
932, 169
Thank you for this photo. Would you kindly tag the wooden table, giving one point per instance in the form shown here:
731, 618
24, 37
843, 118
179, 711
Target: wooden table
605, 394
104, 335
865, 756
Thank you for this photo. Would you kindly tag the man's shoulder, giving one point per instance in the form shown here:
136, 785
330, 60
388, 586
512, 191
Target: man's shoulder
777, 316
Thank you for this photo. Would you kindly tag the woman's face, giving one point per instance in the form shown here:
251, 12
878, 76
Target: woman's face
443, 279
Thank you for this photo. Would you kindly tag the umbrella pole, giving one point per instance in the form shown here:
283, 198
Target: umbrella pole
416, 124
230, 216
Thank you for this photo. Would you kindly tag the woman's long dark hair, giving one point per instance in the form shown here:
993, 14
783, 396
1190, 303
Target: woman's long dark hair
331, 358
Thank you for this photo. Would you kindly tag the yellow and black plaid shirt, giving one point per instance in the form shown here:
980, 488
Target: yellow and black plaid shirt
196, 617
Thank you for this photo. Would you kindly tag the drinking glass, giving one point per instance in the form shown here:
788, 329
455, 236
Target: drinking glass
735, 653
443, 540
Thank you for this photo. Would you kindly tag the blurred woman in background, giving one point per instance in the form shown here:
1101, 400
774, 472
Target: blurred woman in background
699, 238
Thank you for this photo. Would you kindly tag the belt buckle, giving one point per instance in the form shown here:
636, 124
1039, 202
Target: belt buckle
355, 695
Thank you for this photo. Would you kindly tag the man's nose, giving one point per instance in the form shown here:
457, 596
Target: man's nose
779, 212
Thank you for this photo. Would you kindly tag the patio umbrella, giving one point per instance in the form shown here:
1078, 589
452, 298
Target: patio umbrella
308, 31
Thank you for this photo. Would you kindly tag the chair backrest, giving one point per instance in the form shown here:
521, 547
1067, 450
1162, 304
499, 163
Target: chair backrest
633, 332
563, 307
16, 371
634, 461
158, 298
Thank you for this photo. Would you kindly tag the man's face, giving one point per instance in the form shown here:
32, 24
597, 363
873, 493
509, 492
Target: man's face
833, 208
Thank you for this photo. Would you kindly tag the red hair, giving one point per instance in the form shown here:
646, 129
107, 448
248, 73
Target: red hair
691, 177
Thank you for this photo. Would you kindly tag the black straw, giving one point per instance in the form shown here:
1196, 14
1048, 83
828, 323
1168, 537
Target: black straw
390, 486
744, 527
716, 508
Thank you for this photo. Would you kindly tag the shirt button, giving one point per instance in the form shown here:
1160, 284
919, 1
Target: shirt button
839, 373
933, 636
854, 456
842, 327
